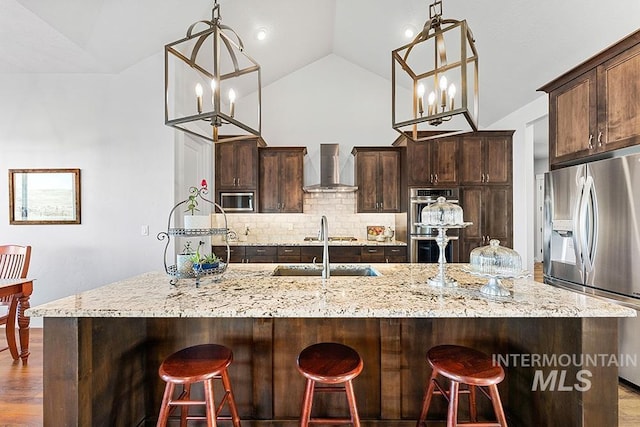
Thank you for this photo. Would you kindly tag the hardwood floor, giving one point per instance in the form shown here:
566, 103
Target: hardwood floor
21, 385
21, 391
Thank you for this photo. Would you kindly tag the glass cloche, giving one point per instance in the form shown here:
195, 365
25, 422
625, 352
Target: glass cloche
496, 262
442, 213
495, 259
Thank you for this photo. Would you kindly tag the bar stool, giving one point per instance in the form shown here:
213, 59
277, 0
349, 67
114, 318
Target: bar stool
329, 363
463, 365
200, 363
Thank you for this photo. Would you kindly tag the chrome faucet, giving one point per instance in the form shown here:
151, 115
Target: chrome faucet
324, 235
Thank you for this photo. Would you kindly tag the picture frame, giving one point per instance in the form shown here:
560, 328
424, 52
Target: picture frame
44, 196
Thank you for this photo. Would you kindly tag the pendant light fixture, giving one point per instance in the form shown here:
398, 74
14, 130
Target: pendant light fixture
435, 80
212, 87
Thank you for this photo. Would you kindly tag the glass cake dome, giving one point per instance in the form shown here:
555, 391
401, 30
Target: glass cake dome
442, 213
495, 260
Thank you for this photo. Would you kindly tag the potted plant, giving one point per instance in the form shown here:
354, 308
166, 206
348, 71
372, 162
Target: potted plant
193, 221
204, 262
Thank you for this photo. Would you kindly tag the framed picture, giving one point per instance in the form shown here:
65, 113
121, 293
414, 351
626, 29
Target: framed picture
44, 196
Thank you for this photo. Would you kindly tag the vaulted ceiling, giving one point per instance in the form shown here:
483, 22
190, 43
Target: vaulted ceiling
522, 44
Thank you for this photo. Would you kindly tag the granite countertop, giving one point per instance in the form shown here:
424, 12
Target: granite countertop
357, 242
250, 290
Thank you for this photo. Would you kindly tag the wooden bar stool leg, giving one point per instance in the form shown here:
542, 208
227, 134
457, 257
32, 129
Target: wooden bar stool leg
306, 403
184, 409
226, 382
351, 398
473, 412
210, 404
497, 405
452, 412
426, 400
164, 406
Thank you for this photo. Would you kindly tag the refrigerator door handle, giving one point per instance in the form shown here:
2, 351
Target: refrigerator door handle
578, 227
589, 224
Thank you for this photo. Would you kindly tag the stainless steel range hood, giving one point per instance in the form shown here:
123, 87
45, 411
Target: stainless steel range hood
330, 172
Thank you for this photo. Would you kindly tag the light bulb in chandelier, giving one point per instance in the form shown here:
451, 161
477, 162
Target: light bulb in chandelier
452, 95
432, 103
213, 92
420, 91
232, 102
199, 92
443, 91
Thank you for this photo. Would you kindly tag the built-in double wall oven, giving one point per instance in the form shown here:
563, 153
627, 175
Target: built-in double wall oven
422, 240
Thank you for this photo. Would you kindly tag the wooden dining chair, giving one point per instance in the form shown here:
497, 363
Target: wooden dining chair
14, 264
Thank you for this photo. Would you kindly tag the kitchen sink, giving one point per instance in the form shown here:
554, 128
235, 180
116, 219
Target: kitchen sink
335, 270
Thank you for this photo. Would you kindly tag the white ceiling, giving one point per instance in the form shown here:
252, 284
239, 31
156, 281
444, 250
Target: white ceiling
522, 44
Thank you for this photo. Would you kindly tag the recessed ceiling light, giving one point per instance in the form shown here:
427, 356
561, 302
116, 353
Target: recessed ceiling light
261, 34
409, 32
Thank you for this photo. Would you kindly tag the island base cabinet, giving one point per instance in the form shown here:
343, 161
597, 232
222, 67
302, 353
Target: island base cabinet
104, 371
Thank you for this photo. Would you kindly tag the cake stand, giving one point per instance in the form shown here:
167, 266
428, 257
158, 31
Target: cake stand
441, 279
494, 287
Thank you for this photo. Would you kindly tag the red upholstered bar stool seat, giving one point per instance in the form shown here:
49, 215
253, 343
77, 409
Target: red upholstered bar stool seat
200, 363
463, 365
333, 364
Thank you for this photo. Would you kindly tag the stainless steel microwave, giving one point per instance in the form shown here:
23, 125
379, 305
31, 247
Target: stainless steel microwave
238, 202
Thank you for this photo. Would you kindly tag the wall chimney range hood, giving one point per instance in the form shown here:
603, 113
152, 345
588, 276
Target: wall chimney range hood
330, 172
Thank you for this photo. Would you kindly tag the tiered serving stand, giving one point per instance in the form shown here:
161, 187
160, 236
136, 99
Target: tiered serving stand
195, 273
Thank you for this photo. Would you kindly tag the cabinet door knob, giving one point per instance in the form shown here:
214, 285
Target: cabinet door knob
599, 139
436, 176
482, 180
590, 141
487, 178
431, 178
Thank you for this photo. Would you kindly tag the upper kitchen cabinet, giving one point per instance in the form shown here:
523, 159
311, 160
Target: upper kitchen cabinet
594, 107
432, 163
378, 177
281, 179
237, 164
490, 210
486, 158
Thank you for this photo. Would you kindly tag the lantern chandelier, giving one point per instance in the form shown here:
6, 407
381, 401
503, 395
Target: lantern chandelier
441, 63
212, 87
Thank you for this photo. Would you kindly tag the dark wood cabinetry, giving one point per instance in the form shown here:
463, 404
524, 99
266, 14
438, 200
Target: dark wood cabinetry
594, 107
288, 253
281, 179
490, 209
486, 158
378, 177
236, 253
307, 254
384, 254
433, 163
237, 164
486, 192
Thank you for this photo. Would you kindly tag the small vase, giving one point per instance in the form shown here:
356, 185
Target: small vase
192, 222
184, 263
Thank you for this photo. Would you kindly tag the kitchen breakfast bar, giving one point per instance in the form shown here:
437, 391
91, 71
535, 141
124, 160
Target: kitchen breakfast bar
103, 347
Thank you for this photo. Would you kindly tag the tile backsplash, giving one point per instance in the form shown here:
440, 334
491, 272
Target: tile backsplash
339, 208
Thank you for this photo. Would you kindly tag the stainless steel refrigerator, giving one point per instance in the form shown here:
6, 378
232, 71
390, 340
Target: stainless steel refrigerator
592, 237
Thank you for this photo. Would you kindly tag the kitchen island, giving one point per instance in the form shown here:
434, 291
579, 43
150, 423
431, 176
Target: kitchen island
102, 348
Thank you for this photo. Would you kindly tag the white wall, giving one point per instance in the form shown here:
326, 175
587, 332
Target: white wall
112, 128
523, 174
330, 100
